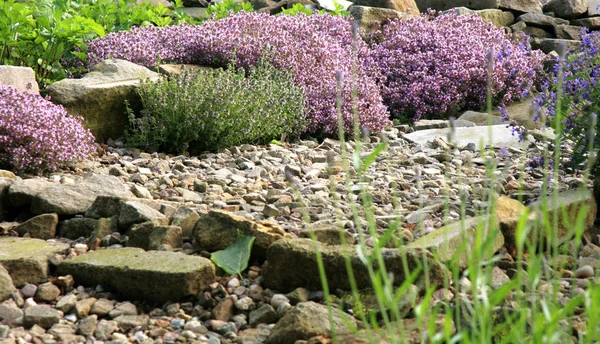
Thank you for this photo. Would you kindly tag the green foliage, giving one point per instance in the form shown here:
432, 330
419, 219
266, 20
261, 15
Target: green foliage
50, 35
297, 8
211, 109
234, 259
223, 9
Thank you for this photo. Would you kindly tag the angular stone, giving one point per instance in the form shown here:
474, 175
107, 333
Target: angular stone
497, 17
43, 316
22, 78
406, 6
87, 325
480, 118
451, 241
305, 273
501, 136
27, 259
99, 96
66, 303
76, 198
9, 312
541, 20
567, 9
217, 230
104, 227
105, 328
371, 18
150, 237
567, 32
185, 218
329, 234
265, 314
21, 192
6, 284
77, 227
307, 320
548, 45
572, 202
128, 322
105, 206
133, 212
524, 6
39, 227
157, 275
591, 23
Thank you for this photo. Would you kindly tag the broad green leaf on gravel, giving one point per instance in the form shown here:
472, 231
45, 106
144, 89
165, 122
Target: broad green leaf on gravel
234, 259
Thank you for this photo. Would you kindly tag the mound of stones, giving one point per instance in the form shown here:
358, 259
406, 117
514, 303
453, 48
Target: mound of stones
120, 253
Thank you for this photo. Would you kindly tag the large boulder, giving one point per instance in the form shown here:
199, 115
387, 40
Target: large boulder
22, 192
157, 275
451, 242
22, 78
76, 198
442, 5
27, 259
307, 320
541, 20
371, 18
567, 9
501, 136
101, 94
406, 6
521, 6
218, 229
292, 263
497, 17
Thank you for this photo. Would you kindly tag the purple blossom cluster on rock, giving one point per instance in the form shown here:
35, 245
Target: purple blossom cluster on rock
435, 65
314, 47
36, 135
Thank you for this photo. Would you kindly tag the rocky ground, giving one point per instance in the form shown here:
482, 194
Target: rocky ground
68, 278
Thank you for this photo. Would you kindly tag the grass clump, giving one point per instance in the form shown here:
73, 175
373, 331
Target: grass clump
213, 109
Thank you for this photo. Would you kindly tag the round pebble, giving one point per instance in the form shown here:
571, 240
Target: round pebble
585, 271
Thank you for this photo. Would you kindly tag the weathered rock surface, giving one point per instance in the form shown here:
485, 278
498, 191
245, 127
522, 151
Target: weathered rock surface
22, 78
501, 136
307, 320
99, 96
305, 273
442, 5
149, 236
27, 259
22, 192
371, 18
43, 316
524, 6
568, 9
405, 6
76, 198
217, 230
39, 227
453, 241
157, 275
6, 284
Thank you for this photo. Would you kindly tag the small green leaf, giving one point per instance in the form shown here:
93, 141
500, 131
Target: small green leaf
234, 259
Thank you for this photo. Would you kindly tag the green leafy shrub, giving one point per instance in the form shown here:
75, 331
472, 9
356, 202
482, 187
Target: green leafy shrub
212, 109
225, 8
51, 36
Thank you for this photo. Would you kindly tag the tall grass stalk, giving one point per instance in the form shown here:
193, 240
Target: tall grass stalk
517, 312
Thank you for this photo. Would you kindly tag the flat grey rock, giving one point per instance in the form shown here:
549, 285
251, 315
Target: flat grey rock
501, 136
156, 275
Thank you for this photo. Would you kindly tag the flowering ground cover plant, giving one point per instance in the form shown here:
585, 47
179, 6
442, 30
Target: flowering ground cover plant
435, 65
211, 109
570, 100
315, 48
36, 135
